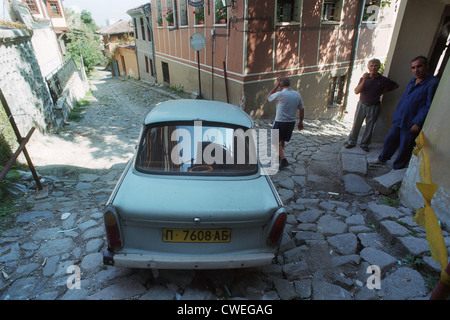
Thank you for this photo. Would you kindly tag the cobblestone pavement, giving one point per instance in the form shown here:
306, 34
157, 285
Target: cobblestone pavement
338, 226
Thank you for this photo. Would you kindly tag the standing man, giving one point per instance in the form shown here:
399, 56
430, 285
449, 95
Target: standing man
288, 102
371, 87
410, 114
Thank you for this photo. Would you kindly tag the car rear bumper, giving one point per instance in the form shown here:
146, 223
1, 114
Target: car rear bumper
151, 261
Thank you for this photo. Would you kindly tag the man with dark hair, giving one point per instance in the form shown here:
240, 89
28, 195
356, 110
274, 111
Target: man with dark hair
410, 115
288, 102
371, 87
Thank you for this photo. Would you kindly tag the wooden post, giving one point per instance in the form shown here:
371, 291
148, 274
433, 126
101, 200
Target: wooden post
19, 139
11, 161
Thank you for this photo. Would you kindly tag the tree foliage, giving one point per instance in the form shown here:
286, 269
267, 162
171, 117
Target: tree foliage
82, 41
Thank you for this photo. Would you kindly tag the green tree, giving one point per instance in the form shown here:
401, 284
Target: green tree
82, 41
87, 19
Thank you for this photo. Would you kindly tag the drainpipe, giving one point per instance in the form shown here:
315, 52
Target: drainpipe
150, 27
354, 53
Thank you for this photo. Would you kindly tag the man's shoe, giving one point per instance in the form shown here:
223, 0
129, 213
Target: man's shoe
376, 162
349, 146
283, 163
366, 149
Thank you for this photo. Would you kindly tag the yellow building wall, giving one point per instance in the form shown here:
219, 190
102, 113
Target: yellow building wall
129, 59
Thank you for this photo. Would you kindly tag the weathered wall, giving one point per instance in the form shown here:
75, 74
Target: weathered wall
129, 59
22, 83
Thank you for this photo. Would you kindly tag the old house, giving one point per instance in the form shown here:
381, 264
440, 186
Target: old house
48, 21
118, 40
141, 17
322, 46
33, 64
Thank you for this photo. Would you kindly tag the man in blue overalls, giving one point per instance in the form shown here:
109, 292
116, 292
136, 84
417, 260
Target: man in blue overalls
410, 115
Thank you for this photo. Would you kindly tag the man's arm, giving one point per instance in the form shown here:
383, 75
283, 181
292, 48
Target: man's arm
360, 86
419, 119
274, 88
392, 85
301, 116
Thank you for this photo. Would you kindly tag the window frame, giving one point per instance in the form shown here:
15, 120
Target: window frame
142, 25
32, 5
159, 16
336, 91
50, 10
296, 12
216, 21
136, 31
166, 72
337, 15
183, 12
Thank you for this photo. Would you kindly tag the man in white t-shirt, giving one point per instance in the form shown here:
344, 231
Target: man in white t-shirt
288, 102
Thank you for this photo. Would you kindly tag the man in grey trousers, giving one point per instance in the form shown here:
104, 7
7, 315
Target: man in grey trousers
371, 87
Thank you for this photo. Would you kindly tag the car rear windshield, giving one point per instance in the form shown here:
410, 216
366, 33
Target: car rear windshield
197, 148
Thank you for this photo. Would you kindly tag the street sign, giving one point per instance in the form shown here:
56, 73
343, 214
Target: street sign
198, 42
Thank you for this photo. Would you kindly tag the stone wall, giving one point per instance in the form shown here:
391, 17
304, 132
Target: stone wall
22, 83
26, 90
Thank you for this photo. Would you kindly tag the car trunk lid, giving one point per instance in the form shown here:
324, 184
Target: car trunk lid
175, 199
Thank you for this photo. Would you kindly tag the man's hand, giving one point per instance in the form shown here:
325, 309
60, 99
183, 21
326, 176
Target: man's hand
415, 129
300, 126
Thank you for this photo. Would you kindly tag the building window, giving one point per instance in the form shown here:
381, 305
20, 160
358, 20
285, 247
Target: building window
147, 65
220, 12
371, 10
165, 70
183, 13
159, 17
199, 13
152, 72
136, 35
331, 10
31, 5
149, 31
124, 67
288, 10
336, 91
141, 20
54, 9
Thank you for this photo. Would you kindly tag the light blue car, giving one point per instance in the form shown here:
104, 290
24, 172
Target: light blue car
194, 196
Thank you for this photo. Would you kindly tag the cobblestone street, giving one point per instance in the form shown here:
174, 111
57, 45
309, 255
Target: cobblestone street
339, 224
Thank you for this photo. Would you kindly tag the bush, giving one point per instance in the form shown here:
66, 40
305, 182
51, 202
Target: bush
8, 140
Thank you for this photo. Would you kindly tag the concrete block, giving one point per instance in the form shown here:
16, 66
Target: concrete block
385, 183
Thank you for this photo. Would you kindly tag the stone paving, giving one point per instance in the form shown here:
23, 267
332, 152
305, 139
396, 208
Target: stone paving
346, 238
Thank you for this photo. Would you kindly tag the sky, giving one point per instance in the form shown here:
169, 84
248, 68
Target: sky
101, 10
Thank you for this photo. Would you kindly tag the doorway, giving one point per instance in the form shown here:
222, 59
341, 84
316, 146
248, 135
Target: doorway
440, 50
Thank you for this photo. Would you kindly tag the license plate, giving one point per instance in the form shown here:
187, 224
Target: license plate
196, 235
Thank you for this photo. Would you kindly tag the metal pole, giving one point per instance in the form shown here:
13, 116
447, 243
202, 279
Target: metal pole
199, 80
225, 77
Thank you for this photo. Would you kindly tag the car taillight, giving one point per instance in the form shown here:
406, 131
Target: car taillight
276, 232
112, 230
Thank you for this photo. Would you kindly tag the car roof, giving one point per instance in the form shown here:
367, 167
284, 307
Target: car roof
198, 110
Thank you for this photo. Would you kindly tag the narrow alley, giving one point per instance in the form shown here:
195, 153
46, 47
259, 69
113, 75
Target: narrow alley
334, 236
